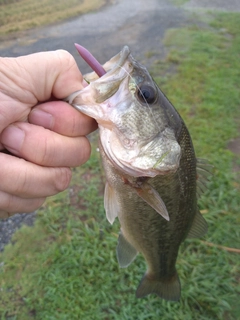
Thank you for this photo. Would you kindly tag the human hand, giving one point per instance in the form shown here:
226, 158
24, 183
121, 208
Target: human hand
45, 136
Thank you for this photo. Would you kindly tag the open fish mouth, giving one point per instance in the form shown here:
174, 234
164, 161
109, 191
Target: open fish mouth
111, 67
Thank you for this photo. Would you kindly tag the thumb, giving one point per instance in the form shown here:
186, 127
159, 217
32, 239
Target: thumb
53, 73
25, 81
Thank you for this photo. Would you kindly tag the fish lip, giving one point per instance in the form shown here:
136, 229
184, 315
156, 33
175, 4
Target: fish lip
130, 165
124, 167
111, 66
166, 162
150, 173
123, 55
115, 71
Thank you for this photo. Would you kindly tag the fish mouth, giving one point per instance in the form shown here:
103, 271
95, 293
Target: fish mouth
130, 169
94, 99
151, 172
161, 156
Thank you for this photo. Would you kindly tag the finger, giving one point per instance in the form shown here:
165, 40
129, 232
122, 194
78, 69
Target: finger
28, 180
62, 118
45, 147
10, 204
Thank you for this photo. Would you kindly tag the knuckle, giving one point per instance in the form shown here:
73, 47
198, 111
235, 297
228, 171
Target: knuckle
66, 58
46, 151
21, 178
43, 152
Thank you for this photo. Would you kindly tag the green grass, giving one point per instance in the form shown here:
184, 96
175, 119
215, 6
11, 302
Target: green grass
65, 266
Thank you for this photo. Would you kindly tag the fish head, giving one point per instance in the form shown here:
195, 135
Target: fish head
138, 125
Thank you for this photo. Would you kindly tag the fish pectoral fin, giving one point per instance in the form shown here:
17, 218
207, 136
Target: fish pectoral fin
204, 173
169, 289
199, 227
152, 197
126, 253
111, 203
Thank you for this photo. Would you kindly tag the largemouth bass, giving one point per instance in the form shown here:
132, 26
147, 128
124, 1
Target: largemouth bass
151, 169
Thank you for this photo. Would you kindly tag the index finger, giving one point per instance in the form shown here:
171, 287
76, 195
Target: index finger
60, 117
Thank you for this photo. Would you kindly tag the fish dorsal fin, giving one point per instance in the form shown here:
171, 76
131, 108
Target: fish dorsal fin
199, 227
152, 197
126, 253
111, 203
204, 172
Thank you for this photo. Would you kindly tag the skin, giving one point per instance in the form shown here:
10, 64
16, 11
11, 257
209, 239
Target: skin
45, 136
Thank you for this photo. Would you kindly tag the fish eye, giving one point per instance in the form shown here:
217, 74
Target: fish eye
146, 94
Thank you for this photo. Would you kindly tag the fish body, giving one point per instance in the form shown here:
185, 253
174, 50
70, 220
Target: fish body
150, 167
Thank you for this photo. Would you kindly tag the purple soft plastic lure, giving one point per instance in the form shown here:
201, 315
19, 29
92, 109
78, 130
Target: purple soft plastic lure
91, 61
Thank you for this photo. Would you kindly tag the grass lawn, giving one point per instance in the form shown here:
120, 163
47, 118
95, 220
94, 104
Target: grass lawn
65, 266
20, 15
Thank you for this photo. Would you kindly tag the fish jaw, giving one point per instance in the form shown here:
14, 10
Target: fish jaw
158, 157
94, 100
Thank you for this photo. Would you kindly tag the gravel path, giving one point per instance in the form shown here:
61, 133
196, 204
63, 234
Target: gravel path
139, 23
10, 225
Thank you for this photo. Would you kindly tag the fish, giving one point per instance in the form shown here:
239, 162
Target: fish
153, 177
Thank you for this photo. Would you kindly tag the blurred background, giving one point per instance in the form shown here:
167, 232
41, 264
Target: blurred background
60, 263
